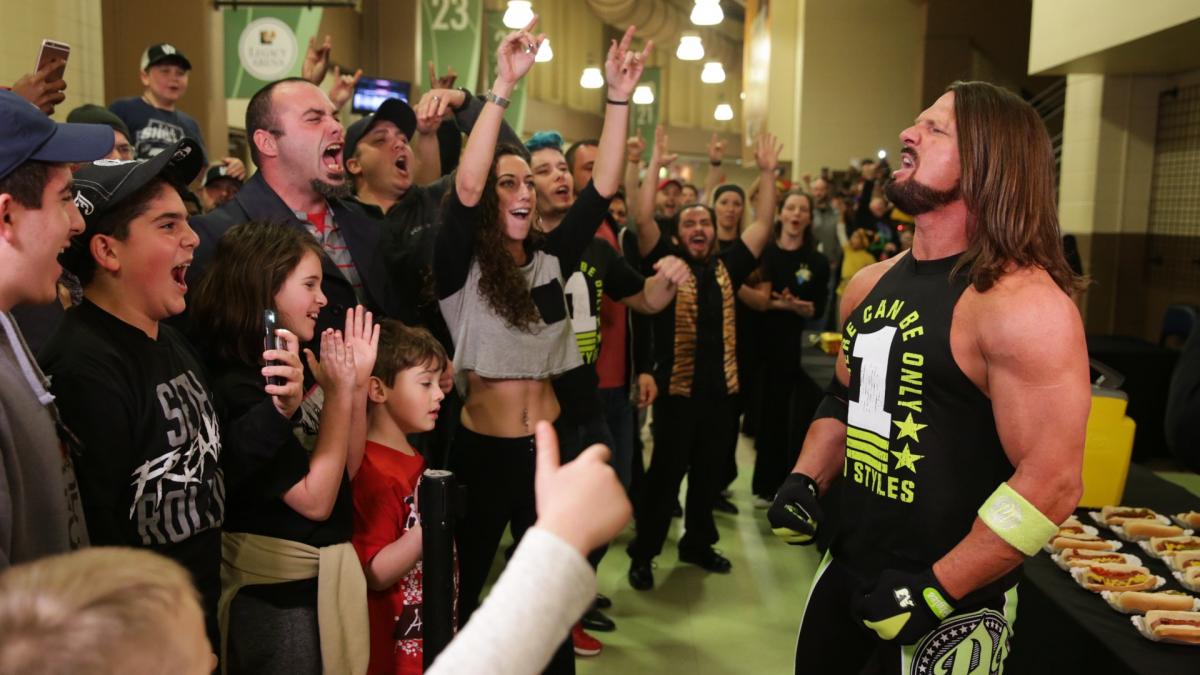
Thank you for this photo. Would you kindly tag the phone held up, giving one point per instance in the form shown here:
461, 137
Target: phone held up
271, 341
53, 51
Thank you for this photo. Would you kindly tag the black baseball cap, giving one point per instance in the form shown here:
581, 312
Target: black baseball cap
90, 113
104, 183
30, 135
218, 172
393, 110
164, 52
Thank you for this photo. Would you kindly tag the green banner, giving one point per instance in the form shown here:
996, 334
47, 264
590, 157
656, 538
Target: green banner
496, 30
646, 116
264, 44
450, 36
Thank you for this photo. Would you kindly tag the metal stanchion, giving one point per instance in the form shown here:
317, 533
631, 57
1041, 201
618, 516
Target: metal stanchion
438, 504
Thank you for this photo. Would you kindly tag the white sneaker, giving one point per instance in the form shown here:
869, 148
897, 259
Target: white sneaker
760, 503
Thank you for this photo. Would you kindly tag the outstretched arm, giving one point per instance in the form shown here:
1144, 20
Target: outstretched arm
767, 156
647, 229
716, 175
513, 62
623, 70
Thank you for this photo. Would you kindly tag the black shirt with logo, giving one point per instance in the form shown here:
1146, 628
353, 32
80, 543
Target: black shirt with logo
155, 129
149, 471
602, 271
804, 273
922, 450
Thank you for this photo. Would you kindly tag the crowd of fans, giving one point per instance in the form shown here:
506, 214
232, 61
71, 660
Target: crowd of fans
250, 378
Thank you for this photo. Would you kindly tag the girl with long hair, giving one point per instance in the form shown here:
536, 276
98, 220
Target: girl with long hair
289, 573
794, 288
500, 287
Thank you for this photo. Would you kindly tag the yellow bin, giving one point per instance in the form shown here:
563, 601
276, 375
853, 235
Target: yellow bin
1108, 449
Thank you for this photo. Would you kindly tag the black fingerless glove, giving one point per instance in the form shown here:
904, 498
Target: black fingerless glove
795, 514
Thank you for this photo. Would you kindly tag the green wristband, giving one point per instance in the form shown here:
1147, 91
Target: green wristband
1016, 521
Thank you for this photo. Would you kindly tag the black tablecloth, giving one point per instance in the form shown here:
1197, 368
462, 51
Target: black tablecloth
1062, 628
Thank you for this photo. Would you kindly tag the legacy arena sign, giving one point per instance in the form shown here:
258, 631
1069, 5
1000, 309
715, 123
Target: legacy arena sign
268, 49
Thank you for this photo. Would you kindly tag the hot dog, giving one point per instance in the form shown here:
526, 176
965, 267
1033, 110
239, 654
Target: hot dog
1083, 541
1172, 545
1141, 601
1117, 515
1192, 518
1084, 557
1186, 560
1182, 626
1144, 529
1116, 577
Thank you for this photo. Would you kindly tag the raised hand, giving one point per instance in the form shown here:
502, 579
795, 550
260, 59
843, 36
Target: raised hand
287, 396
441, 81
581, 502
436, 105
362, 338
234, 168
766, 152
335, 372
316, 60
660, 156
515, 56
343, 86
634, 147
40, 90
716, 149
623, 67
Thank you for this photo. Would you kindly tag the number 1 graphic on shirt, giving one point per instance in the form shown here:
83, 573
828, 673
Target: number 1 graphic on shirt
867, 412
582, 319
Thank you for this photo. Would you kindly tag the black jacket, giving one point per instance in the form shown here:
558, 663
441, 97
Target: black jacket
258, 202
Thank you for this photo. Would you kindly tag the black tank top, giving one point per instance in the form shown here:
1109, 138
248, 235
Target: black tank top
922, 452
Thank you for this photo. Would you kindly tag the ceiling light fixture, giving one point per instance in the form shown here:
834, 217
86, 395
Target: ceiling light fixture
544, 53
707, 13
713, 73
519, 14
643, 95
690, 47
723, 113
591, 78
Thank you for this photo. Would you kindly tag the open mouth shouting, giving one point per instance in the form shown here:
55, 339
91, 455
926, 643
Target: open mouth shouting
521, 214
908, 162
179, 275
331, 158
402, 164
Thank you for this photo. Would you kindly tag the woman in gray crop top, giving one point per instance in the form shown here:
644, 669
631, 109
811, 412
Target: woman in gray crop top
500, 289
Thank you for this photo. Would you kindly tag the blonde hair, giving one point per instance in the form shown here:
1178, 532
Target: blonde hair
96, 611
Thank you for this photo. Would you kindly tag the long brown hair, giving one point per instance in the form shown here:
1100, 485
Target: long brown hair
501, 282
251, 264
1007, 186
806, 238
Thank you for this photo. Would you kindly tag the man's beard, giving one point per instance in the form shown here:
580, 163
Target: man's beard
331, 190
916, 198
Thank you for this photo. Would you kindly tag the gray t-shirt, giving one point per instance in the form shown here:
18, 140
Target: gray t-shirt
483, 340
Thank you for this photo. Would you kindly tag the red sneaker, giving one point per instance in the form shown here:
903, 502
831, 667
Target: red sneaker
585, 645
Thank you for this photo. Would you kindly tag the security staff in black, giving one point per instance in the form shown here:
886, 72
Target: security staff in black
958, 446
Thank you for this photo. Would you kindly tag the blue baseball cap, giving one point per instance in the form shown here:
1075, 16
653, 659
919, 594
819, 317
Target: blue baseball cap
30, 135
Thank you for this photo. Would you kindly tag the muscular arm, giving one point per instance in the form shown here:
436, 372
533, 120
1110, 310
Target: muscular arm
1040, 399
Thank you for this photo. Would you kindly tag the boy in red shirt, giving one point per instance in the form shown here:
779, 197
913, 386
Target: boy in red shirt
405, 398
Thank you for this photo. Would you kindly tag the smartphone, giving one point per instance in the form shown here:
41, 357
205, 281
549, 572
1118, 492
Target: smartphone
271, 341
53, 50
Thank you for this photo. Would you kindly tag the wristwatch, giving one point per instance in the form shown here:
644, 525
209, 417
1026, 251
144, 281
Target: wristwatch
493, 98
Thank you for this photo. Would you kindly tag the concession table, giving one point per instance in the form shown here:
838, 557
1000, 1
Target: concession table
1064, 629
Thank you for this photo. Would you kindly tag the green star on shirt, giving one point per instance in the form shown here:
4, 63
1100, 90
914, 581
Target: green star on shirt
909, 428
907, 459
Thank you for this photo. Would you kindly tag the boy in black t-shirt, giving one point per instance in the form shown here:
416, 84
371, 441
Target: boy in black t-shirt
132, 388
